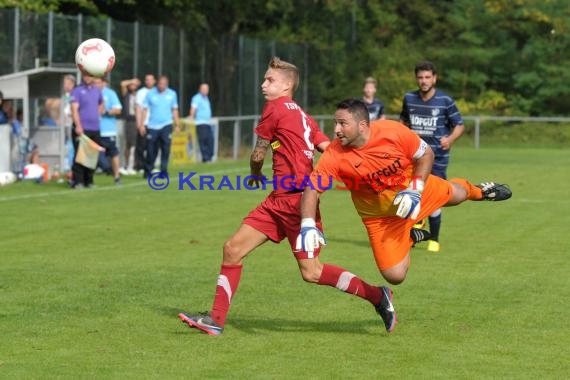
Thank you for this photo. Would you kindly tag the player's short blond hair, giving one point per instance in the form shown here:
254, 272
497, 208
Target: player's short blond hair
289, 69
370, 80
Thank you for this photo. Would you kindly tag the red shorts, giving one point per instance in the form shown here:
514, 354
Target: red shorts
279, 217
389, 236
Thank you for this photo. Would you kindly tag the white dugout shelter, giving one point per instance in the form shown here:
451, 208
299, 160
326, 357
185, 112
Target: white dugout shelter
28, 90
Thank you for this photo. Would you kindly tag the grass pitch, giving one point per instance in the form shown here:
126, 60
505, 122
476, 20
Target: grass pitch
91, 283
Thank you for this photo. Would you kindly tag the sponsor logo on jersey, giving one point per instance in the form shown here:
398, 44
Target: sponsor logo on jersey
275, 144
421, 121
388, 177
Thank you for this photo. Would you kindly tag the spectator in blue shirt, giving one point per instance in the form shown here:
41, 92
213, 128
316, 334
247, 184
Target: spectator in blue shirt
108, 129
161, 106
201, 113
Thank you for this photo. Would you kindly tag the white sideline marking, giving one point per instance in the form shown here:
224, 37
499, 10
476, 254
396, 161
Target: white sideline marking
105, 188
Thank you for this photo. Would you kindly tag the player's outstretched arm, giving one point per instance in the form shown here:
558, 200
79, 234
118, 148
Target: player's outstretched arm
256, 161
310, 237
309, 203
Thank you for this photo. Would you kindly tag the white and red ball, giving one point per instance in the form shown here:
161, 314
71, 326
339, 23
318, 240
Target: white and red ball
95, 57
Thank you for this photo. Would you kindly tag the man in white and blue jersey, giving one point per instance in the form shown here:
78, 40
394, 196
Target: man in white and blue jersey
161, 104
433, 115
108, 127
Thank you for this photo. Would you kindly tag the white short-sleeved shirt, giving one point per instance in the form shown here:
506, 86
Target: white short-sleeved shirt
140, 97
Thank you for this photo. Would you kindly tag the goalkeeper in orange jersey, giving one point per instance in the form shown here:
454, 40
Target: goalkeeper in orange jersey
387, 169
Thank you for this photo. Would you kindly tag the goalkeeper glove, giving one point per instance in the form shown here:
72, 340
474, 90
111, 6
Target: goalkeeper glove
408, 201
310, 238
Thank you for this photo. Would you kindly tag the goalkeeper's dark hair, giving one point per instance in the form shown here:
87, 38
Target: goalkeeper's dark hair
357, 108
425, 66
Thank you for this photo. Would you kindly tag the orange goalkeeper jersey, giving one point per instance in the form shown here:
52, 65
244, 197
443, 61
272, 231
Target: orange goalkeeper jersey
373, 173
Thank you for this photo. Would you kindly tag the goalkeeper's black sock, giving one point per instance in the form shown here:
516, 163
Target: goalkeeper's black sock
418, 235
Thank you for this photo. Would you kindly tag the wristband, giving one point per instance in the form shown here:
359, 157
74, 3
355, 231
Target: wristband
308, 222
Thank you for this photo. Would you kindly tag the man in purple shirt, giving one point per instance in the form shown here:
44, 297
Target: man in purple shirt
86, 109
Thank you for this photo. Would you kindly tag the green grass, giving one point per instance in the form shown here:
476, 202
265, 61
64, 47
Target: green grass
91, 283
514, 134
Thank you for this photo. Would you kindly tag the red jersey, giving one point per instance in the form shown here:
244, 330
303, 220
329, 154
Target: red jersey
293, 135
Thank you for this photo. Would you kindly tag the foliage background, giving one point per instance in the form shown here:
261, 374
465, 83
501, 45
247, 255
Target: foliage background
495, 57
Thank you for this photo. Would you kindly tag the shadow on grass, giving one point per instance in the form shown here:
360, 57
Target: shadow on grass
252, 325
170, 311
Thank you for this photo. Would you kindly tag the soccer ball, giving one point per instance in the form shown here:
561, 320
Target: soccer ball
95, 57
7, 178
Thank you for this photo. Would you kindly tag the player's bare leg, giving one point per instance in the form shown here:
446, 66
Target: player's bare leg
397, 274
245, 240
313, 271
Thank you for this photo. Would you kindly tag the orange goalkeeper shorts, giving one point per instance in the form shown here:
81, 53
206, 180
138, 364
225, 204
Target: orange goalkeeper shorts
389, 236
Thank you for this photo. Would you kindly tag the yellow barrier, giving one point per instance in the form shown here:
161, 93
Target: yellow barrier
184, 144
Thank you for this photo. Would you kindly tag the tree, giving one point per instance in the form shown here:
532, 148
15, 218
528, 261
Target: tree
508, 55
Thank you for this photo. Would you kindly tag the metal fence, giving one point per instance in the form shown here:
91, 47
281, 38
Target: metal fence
233, 64
510, 120
237, 136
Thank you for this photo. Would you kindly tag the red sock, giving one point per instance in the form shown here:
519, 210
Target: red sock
343, 280
473, 192
228, 281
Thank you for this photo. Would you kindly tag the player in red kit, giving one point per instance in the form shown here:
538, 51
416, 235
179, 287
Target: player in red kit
293, 137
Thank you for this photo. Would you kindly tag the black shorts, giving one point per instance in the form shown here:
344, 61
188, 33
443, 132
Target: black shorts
110, 145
